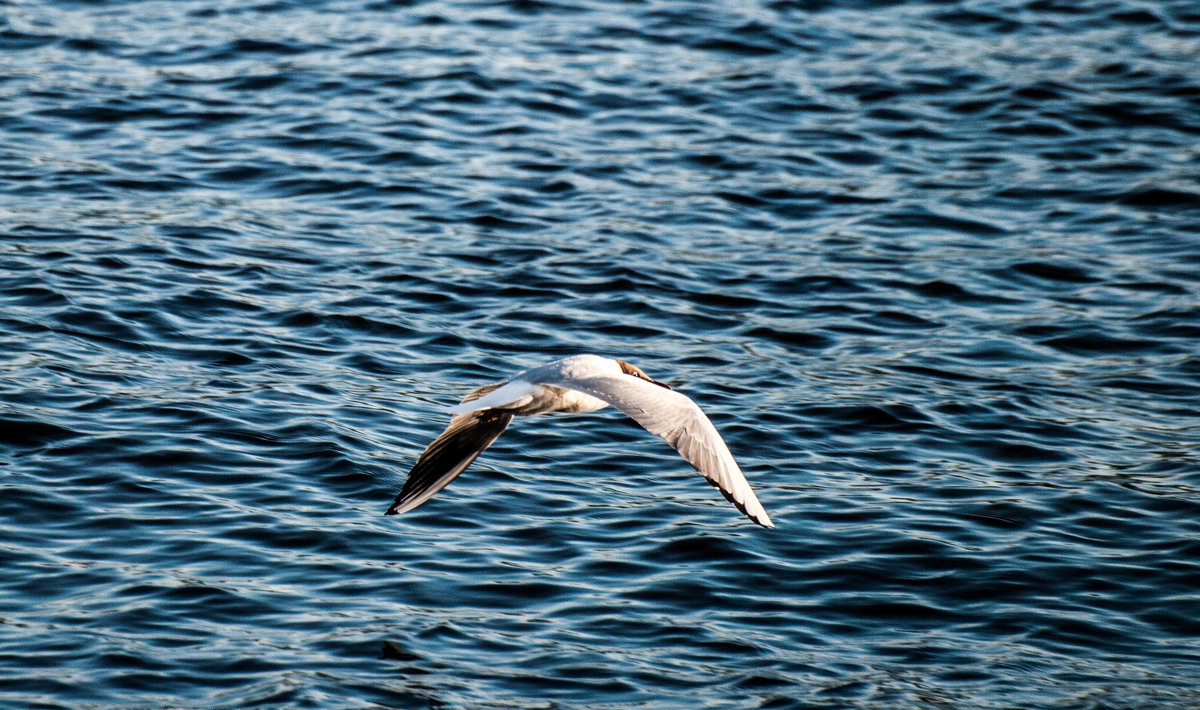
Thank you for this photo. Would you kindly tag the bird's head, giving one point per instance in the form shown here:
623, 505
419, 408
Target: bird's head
636, 371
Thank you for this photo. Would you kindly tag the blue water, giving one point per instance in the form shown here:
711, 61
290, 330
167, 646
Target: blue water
933, 269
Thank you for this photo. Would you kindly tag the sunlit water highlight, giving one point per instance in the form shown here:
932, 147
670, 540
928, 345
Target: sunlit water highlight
932, 268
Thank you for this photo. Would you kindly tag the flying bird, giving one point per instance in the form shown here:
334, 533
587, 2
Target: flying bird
581, 383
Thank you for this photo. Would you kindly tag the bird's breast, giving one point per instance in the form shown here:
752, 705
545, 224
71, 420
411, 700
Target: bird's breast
579, 402
558, 399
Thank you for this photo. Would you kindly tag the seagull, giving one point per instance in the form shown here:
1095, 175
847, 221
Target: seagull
581, 383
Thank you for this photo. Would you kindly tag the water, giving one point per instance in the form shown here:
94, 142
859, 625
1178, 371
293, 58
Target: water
932, 268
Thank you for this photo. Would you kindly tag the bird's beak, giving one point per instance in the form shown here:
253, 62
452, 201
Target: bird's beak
660, 384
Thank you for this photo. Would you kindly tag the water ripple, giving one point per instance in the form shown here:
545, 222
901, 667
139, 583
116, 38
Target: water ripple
930, 268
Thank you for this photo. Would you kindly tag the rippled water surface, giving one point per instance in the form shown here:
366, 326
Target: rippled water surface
932, 268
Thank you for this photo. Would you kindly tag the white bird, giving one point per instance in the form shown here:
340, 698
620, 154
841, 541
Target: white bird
581, 383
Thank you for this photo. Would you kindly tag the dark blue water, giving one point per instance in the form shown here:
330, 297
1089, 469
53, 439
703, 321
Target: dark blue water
933, 268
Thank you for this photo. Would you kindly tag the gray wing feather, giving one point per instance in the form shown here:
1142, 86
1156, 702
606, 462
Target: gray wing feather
451, 452
677, 419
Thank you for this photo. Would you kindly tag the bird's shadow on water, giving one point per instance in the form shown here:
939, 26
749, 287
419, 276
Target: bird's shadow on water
407, 665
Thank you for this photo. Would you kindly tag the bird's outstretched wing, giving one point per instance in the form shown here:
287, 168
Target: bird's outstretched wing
676, 418
451, 452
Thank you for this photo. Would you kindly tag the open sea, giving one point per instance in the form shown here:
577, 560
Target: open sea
931, 267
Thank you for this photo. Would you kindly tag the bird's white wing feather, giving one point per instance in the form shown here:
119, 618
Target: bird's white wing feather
509, 394
678, 419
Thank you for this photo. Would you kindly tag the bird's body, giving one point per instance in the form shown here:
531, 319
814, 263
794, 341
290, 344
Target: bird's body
581, 383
